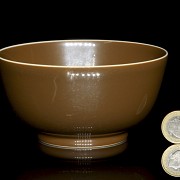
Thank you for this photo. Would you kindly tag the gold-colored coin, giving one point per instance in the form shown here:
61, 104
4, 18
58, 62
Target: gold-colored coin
171, 127
171, 160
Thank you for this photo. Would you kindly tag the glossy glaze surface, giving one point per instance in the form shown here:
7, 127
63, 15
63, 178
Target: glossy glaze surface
82, 86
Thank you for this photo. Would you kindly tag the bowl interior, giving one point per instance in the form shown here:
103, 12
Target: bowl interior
82, 53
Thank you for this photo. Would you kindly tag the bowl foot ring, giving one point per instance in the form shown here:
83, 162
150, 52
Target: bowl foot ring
83, 146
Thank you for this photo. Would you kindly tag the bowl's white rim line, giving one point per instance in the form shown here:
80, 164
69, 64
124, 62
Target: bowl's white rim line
83, 67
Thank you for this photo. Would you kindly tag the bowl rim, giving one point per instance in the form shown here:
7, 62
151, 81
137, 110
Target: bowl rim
85, 40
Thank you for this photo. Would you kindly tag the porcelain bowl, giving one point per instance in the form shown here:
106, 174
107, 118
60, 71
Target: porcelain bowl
82, 95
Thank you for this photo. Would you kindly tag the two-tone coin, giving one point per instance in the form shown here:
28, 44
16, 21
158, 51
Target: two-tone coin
171, 160
171, 127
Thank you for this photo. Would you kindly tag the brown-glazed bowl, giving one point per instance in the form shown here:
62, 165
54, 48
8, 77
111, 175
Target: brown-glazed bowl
82, 95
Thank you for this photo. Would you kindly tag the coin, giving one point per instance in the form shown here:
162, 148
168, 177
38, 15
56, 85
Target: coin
171, 127
171, 160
